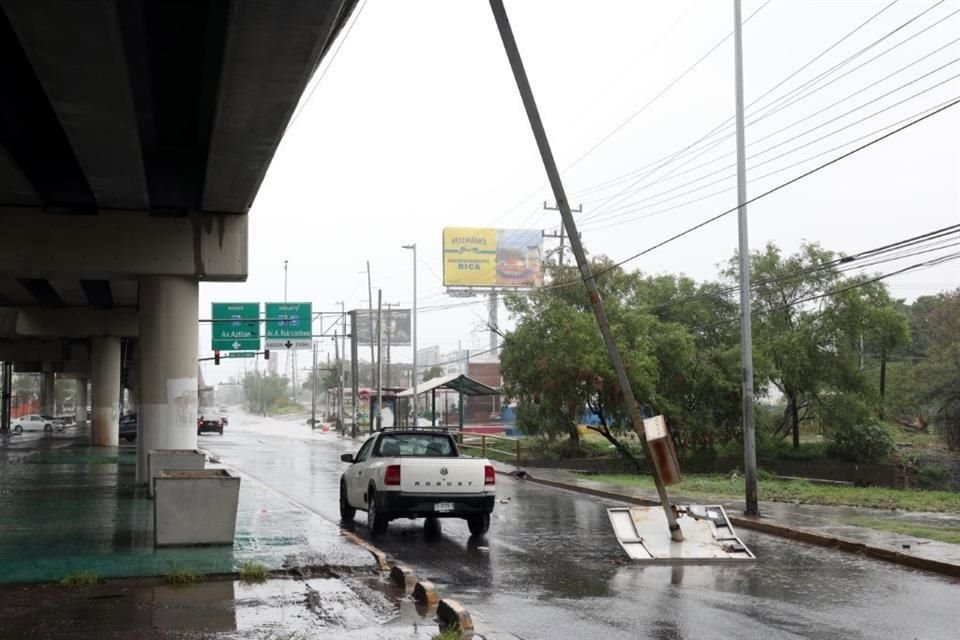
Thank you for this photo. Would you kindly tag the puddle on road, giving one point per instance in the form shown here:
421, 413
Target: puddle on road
357, 608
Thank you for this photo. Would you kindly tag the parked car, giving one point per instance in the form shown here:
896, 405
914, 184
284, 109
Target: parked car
210, 420
416, 473
32, 422
128, 427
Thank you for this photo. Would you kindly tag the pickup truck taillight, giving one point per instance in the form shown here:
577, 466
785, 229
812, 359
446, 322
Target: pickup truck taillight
489, 475
391, 477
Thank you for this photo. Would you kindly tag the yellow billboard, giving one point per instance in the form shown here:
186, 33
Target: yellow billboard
475, 257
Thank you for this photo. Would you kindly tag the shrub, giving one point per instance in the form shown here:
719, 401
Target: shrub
80, 580
252, 572
852, 432
933, 476
183, 575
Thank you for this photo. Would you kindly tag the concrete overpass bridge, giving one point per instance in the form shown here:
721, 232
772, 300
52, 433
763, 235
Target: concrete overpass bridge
134, 135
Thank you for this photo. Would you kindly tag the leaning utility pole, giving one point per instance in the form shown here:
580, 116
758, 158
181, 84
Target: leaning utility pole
550, 165
746, 330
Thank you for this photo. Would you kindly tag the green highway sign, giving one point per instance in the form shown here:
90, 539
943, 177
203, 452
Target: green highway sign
240, 354
289, 325
236, 326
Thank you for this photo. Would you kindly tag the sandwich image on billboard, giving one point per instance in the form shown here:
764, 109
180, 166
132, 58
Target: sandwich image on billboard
475, 257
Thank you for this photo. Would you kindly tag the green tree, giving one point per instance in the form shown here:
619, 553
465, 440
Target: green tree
433, 372
556, 365
813, 329
264, 392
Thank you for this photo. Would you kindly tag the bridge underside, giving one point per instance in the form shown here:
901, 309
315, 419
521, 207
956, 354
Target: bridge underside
134, 135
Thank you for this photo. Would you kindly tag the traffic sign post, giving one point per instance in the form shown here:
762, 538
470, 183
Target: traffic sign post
289, 325
235, 327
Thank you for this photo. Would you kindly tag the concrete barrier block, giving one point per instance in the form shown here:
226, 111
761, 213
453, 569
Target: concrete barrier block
160, 459
452, 615
425, 593
195, 507
403, 577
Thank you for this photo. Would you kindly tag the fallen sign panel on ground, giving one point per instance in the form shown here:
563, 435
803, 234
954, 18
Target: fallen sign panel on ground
707, 535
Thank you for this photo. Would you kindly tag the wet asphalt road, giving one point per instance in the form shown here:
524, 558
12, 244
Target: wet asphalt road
550, 567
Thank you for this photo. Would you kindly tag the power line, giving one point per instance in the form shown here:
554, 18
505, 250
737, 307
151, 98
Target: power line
636, 113
919, 265
618, 213
727, 123
821, 124
333, 57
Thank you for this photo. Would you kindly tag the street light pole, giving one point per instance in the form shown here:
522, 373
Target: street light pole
414, 323
746, 330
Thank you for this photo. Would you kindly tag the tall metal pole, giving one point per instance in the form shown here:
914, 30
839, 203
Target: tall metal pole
389, 342
492, 320
379, 360
550, 165
373, 360
413, 321
342, 354
746, 330
355, 369
313, 395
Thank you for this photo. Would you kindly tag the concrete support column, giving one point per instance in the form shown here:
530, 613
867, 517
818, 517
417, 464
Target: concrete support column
48, 393
133, 381
168, 366
105, 368
81, 400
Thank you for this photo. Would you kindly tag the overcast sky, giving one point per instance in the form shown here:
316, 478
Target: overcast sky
416, 124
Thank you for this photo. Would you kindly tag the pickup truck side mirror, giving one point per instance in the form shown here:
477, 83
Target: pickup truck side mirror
347, 457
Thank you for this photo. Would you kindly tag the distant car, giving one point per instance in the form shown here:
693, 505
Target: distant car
209, 420
128, 427
32, 422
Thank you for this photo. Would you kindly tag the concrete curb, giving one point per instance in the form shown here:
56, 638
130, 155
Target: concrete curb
451, 615
379, 556
454, 617
425, 593
402, 576
766, 526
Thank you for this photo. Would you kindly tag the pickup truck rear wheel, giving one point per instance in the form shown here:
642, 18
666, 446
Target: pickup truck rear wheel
376, 519
479, 524
346, 511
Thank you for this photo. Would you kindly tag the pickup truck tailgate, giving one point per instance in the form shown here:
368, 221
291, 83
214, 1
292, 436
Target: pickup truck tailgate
443, 475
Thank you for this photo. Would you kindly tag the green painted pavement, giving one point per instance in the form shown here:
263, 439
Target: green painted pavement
78, 509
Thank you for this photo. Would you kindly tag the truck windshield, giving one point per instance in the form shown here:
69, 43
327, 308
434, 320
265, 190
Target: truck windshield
427, 445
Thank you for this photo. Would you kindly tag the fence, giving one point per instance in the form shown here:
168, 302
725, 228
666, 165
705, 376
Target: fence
487, 444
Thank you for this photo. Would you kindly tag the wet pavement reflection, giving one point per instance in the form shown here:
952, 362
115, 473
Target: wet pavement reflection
551, 568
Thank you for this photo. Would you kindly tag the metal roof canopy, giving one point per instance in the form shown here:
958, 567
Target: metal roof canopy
455, 382
462, 384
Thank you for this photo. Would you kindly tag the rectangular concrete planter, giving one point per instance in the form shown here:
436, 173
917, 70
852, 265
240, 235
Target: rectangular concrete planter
194, 507
160, 459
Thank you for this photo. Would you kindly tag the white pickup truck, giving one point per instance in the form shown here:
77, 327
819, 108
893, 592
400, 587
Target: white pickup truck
416, 473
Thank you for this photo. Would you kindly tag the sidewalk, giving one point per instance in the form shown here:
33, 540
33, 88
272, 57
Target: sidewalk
825, 525
77, 508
